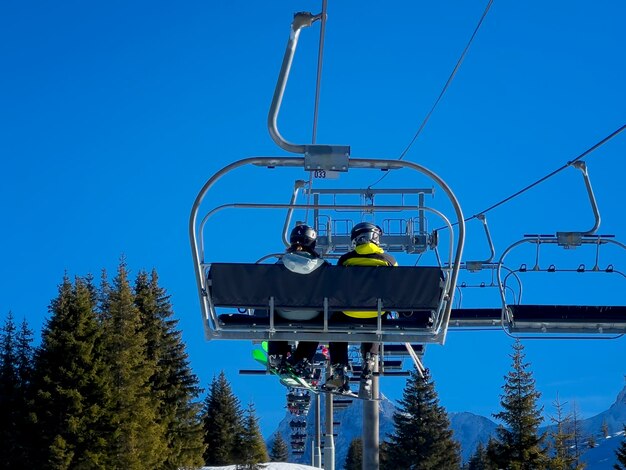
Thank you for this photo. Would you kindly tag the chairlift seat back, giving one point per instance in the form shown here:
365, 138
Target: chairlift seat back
402, 288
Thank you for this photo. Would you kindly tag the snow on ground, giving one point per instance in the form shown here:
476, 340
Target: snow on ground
269, 466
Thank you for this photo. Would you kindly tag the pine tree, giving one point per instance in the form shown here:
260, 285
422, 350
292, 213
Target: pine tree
138, 438
279, 451
518, 445
9, 392
422, 439
492, 452
23, 405
383, 452
172, 383
222, 423
251, 449
561, 440
576, 443
354, 459
69, 383
479, 459
591, 441
621, 454
24, 355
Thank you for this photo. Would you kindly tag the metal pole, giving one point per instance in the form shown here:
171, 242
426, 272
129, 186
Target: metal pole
329, 439
371, 427
317, 450
320, 57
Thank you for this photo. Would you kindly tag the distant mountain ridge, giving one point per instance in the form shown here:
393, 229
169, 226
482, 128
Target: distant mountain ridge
469, 429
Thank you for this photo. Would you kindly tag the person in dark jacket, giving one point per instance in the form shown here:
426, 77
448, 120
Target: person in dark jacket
365, 238
300, 258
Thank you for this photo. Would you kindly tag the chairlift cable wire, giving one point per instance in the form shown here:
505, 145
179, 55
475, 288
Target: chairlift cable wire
320, 59
541, 180
443, 91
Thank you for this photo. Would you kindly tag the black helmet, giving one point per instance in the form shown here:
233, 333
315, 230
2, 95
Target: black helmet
304, 236
365, 232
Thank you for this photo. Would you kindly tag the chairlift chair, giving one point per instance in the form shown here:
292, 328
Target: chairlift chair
598, 320
423, 293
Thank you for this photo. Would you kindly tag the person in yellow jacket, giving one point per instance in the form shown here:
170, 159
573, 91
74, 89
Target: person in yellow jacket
365, 238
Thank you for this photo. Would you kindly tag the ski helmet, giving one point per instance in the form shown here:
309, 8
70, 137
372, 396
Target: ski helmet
365, 232
304, 236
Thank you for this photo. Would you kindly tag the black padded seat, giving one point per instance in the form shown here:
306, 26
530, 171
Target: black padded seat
475, 317
569, 313
250, 286
475, 314
412, 291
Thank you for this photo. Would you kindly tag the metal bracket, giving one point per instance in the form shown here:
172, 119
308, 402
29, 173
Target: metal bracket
326, 157
569, 239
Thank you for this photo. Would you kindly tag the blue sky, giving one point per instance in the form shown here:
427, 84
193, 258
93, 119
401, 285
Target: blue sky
113, 115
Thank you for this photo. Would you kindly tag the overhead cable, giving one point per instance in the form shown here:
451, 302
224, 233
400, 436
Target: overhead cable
443, 91
541, 180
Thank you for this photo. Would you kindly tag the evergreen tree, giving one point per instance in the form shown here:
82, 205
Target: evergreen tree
561, 436
422, 439
172, 383
621, 454
518, 445
222, 423
383, 452
69, 383
591, 441
492, 451
24, 355
577, 437
9, 393
138, 438
251, 449
354, 459
479, 459
23, 405
279, 451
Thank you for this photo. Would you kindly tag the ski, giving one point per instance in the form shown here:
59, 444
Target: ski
289, 380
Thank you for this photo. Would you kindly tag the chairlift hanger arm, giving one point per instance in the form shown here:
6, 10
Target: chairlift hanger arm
582, 166
478, 265
301, 20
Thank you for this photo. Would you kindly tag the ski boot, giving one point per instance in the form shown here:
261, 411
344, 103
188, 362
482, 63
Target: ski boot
304, 370
278, 364
338, 382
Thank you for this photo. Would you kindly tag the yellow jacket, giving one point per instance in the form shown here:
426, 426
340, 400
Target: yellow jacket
367, 254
